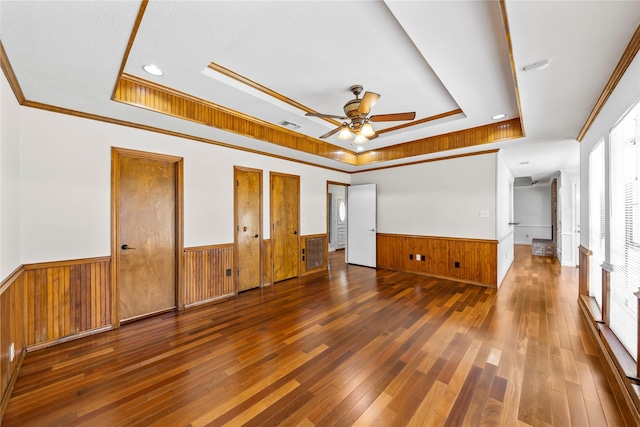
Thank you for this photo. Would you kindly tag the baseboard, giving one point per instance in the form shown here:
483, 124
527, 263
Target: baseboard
12, 382
77, 336
207, 301
452, 279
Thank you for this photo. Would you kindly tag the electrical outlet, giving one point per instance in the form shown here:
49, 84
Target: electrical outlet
12, 352
411, 256
457, 264
484, 214
228, 272
417, 257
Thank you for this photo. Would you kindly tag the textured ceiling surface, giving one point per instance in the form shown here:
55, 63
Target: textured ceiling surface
431, 57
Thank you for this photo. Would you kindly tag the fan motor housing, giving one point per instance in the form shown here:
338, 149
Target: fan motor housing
351, 108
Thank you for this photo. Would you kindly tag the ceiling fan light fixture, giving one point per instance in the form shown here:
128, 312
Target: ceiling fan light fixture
345, 134
360, 139
367, 130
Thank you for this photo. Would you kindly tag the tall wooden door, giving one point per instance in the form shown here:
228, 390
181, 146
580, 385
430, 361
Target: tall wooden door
285, 240
248, 224
146, 243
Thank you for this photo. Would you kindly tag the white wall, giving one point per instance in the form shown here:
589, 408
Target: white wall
9, 180
566, 251
504, 212
532, 210
66, 185
441, 198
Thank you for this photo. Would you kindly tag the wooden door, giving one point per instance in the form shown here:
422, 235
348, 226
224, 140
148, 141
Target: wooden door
248, 225
361, 225
285, 240
146, 244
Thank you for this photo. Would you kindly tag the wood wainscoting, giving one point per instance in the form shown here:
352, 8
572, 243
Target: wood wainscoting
12, 331
48, 303
313, 253
467, 260
583, 271
205, 269
65, 299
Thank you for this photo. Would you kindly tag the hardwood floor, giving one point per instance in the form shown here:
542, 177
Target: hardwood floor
352, 346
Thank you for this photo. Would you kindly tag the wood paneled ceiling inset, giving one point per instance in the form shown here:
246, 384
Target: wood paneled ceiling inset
493, 132
141, 93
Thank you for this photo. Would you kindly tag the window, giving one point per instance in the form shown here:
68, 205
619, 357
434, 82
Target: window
596, 220
624, 241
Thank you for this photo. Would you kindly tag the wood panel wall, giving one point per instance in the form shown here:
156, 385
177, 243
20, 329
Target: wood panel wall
478, 259
307, 251
583, 271
205, 270
12, 330
267, 263
66, 298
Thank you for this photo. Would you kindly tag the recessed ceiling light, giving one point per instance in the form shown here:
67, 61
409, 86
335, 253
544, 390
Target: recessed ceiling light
153, 70
360, 148
498, 116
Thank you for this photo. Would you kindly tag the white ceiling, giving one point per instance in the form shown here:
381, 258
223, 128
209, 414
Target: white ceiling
430, 57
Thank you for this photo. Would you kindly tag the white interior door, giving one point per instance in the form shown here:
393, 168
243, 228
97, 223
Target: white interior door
361, 225
340, 221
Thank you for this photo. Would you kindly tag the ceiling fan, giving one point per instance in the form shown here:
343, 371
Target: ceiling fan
357, 113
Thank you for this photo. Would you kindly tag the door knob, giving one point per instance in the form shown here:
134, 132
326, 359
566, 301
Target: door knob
126, 247
295, 232
256, 236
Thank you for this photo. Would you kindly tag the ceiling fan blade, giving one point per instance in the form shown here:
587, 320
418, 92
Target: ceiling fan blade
331, 116
393, 117
332, 132
368, 101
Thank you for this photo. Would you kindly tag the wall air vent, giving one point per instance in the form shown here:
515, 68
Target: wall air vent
289, 125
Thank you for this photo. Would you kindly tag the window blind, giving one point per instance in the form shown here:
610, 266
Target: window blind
596, 220
625, 223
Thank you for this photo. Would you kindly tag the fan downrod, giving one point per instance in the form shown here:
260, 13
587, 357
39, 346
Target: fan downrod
356, 90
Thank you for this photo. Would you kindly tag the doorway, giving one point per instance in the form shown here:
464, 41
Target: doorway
248, 225
285, 220
146, 233
336, 215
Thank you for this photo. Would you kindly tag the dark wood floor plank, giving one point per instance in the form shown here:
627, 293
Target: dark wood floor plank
350, 346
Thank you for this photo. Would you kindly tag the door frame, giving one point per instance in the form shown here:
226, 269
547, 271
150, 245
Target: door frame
236, 224
116, 153
271, 175
328, 224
